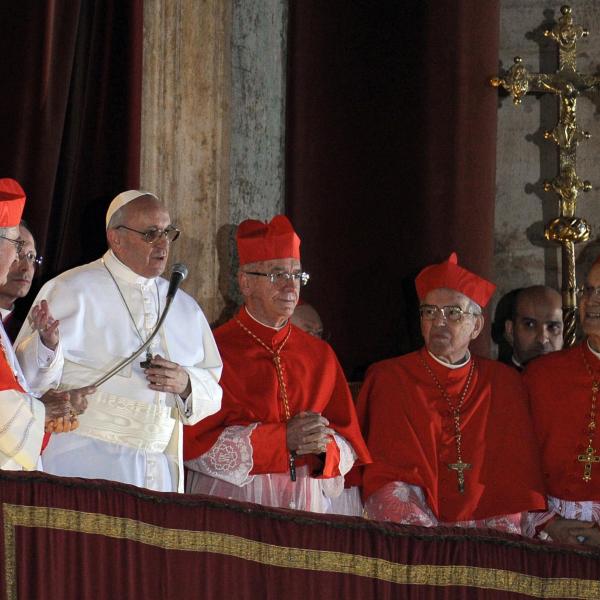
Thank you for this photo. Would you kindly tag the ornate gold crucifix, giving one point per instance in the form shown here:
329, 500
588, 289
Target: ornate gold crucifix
568, 85
589, 458
460, 467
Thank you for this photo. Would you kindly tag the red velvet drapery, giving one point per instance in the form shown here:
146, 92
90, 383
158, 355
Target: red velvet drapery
70, 116
86, 540
391, 146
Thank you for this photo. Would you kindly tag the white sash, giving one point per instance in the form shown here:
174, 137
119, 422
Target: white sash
128, 422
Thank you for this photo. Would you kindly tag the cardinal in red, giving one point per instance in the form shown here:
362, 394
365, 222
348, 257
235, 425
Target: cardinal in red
287, 432
449, 432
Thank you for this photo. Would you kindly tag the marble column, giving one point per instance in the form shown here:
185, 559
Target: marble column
213, 123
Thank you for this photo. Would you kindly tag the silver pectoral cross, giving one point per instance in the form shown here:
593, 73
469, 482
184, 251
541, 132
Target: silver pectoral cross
460, 467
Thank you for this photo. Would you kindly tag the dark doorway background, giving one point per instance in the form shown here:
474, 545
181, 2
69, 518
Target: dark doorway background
390, 166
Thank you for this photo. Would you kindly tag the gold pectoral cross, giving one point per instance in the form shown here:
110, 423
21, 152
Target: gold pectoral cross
460, 467
589, 458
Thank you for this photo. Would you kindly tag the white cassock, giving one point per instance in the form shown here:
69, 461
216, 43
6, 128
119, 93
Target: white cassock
129, 433
22, 415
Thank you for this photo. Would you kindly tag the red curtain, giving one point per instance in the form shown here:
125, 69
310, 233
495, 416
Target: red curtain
391, 147
87, 540
70, 116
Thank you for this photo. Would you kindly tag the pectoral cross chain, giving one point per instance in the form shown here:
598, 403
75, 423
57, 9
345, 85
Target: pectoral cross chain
275, 356
460, 467
589, 458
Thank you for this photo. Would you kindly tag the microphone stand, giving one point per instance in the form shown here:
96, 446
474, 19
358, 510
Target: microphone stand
131, 358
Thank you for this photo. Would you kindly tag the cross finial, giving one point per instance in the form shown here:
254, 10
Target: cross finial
567, 84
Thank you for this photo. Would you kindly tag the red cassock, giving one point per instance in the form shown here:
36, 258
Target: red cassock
411, 436
560, 393
251, 394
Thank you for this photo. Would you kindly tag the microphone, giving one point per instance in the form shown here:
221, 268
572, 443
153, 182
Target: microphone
178, 274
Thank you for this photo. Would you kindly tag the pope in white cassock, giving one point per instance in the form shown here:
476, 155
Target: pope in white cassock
23, 415
131, 430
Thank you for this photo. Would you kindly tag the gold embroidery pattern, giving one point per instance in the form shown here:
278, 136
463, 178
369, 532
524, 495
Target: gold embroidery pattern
280, 556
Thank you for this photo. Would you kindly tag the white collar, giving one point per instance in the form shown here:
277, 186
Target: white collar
515, 362
261, 323
122, 271
4, 312
596, 354
448, 365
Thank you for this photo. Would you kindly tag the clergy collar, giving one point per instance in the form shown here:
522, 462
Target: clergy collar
515, 362
264, 324
122, 271
448, 365
594, 352
269, 335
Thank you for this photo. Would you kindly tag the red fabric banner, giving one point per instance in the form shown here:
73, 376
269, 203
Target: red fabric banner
84, 539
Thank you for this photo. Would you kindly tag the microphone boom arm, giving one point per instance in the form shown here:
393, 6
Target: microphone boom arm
133, 356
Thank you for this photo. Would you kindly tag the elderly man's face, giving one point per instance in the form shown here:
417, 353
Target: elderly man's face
446, 339
589, 308
270, 303
143, 214
21, 272
8, 252
537, 327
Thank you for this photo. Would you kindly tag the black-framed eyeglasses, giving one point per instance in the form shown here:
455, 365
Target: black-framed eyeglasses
31, 257
153, 235
17, 243
280, 278
430, 312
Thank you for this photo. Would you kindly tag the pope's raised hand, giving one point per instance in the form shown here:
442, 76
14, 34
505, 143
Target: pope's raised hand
41, 320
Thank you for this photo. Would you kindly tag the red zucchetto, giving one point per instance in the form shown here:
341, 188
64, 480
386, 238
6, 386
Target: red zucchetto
12, 202
449, 275
258, 241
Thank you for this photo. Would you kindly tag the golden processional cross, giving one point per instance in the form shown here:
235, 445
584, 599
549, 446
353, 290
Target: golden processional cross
567, 84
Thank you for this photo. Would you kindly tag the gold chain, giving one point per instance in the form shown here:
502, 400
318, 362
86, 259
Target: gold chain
279, 368
459, 466
276, 361
590, 457
157, 305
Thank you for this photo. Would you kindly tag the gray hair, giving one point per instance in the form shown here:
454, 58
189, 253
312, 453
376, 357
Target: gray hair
117, 219
249, 267
474, 307
5, 230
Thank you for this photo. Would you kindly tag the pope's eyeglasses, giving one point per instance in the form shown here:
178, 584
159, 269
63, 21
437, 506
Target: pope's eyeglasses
153, 235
